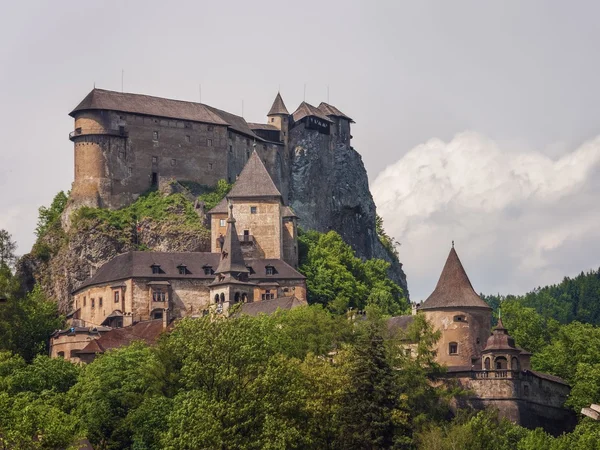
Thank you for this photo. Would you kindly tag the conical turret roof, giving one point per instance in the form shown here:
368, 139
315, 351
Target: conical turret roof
454, 288
232, 259
278, 107
254, 181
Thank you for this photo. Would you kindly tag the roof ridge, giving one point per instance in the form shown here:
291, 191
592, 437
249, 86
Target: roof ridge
254, 181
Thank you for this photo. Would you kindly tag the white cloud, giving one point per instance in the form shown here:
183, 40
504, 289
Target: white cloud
520, 219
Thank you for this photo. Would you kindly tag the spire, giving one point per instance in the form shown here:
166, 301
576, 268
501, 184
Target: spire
254, 181
232, 259
454, 288
278, 107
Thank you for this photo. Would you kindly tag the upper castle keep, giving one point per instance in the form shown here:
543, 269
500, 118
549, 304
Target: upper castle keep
127, 143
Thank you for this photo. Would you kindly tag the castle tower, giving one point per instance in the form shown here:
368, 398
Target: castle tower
463, 318
231, 284
268, 227
500, 352
278, 116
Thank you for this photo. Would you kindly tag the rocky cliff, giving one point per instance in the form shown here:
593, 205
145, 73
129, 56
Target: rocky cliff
329, 190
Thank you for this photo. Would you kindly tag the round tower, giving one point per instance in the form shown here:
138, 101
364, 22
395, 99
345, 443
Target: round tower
278, 116
455, 309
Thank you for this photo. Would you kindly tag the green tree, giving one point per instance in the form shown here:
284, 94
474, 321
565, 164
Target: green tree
529, 329
109, 392
27, 322
339, 280
371, 397
47, 217
7, 250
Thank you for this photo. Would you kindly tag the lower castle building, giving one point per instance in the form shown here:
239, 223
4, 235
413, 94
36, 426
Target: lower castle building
492, 370
255, 270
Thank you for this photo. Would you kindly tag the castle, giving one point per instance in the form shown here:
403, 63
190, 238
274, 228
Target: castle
490, 367
255, 270
124, 144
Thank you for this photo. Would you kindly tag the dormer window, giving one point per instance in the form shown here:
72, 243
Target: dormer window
208, 270
250, 270
156, 270
270, 270
182, 268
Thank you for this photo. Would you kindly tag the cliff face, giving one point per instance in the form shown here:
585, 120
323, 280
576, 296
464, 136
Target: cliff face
329, 190
61, 260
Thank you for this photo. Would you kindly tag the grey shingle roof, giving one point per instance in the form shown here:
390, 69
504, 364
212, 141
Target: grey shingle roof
138, 265
399, 322
262, 126
287, 211
162, 107
330, 110
453, 288
232, 259
254, 181
305, 110
221, 207
278, 106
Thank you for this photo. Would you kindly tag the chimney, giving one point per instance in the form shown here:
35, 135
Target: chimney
127, 319
165, 318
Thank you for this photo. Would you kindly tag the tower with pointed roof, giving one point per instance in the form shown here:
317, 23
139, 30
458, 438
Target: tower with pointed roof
231, 284
463, 318
267, 227
278, 116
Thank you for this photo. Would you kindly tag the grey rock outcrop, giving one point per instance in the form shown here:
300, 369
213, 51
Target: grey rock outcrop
329, 190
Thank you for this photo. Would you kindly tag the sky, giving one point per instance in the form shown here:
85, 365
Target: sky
478, 122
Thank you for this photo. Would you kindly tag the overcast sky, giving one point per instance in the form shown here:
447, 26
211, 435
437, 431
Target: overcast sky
477, 121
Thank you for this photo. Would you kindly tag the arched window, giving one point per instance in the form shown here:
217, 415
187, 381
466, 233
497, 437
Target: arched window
486, 363
453, 348
61, 354
222, 298
514, 363
244, 298
500, 363
236, 298
216, 298
157, 314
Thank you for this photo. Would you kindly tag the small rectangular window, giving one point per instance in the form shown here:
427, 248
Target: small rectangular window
155, 135
188, 139
93, 303
231, 149
130, 170
122, 155
209, 142
222, 222
453, 348
117, 296
209, 166
84, 301
173, 162
158, 296
154, 159
100, 302
253, 210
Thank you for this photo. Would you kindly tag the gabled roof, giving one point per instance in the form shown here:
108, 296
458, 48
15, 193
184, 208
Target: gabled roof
278, 107
162, 107
305, 110
254, 181
147, 331
138, 265
262, 126
399, 322
232, 259
454, 288
287, 211
330, 110
221, 207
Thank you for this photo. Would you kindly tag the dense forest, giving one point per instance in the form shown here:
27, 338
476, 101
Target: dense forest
319, 377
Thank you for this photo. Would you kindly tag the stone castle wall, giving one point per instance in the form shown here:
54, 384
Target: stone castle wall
118, 156
468, 329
